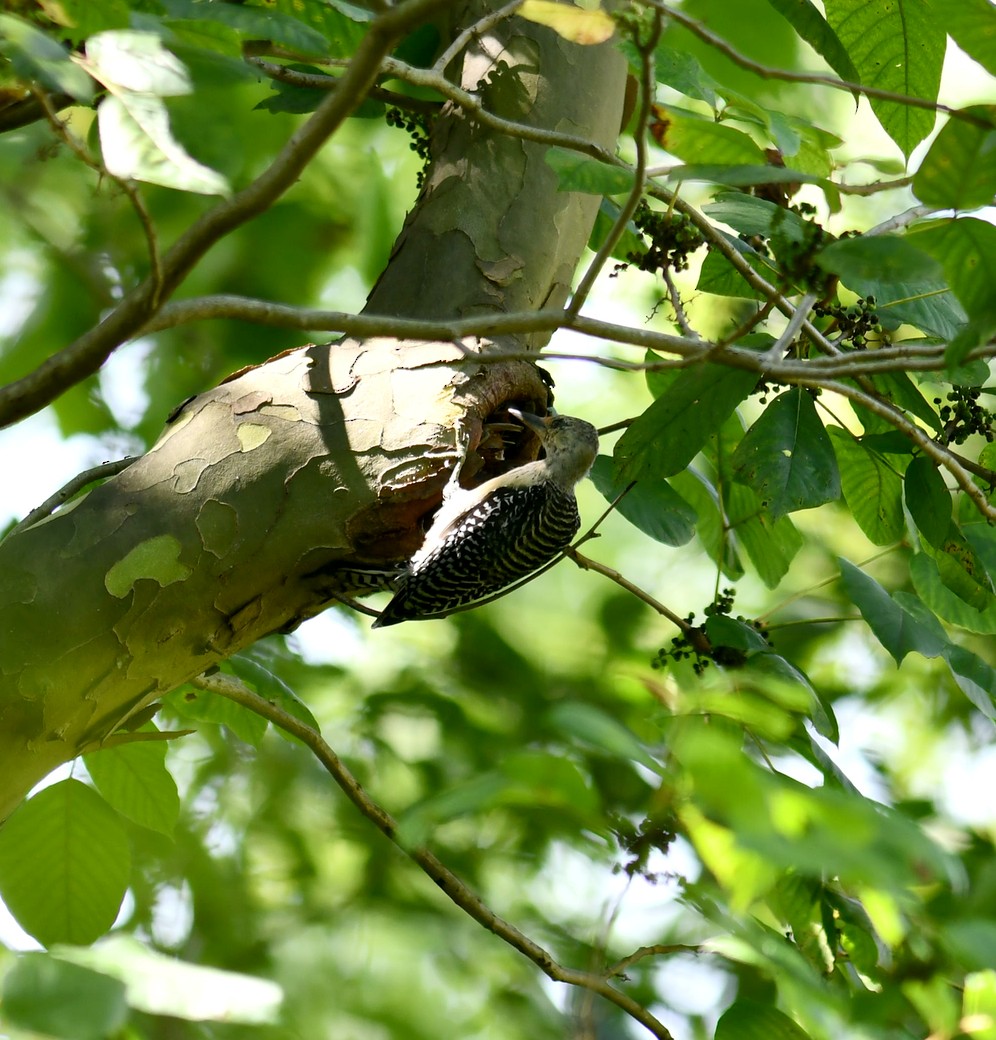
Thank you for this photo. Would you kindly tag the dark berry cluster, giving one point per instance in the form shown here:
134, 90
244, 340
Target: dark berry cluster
963, 416
765, 387
418, 127
682, 648
856, 321
652, 834
669, 238
693, 643
795, 250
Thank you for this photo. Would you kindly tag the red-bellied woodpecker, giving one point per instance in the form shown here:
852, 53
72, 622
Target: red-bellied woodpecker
487, 538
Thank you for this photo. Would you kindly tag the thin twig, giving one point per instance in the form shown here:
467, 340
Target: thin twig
129, 188
657, 950
325, 82
474, 107
69, 489
449, 883
817, 79
689, 631
912, 356
784, 341
479, 28
679, 308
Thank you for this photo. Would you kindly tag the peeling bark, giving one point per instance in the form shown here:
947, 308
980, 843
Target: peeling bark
326, 457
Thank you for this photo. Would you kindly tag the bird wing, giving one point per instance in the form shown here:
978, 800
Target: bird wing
503, 538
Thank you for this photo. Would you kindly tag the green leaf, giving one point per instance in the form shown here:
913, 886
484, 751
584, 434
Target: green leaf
651, 505
810, 24
749, 215
745, 175
254, 23
872, 489
898, 46
80, 19
577, 24
879, 258
750, 1020
694, 138
975, 678
960, 569
723, 630
137, 61
64, 864
972, 25
895, 628
46, 995
137, 142
601, 731
710, 527
959, 171
203, 706
681, 71
717, 275
629, 242
35, 56
576, 172
133, 779
966, 248
787, 458
771, 546
902, 391
972, 942
671, 432
531, 779
928, 499
942, 601
269, 685
162, 985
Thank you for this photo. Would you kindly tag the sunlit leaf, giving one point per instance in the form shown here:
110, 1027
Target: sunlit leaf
573, 23
137, 142
163, 985
697, 139
577, 172
49, 996
133, 778
872, 488
898, 46
64, 864
959, 171
137, 61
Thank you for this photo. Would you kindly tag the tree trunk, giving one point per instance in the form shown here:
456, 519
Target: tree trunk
324, 458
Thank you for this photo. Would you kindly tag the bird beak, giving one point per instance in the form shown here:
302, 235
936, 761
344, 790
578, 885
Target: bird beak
534, 422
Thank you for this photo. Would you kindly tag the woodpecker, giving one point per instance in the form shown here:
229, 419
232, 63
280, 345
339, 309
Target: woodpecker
487, 538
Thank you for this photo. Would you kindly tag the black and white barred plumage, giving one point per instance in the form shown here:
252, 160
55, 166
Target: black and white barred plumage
488, 538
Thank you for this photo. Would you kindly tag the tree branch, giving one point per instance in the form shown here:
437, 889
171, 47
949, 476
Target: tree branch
69, 489
86, 354
451, 885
